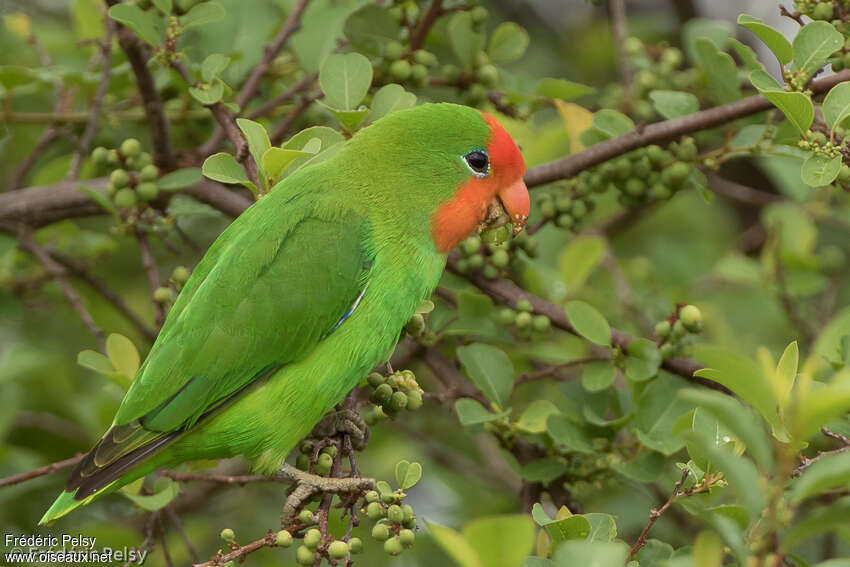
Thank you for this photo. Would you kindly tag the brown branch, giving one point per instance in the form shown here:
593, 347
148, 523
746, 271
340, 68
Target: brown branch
241, 551
806, 462
435, 10
138, 54
656, 513
282, 129
619, 31
571, 165
35, 473
60, 274
97, 105
152, 273
740, 193
240, 479
304, 83
549, 370
48, 137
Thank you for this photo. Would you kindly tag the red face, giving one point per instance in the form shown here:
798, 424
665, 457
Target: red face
497, 186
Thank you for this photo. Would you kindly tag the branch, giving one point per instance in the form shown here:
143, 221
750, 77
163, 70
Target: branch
45, 470
570, 165
306, 82
806, 462
617, 12
151, 271
240, 479
435, 10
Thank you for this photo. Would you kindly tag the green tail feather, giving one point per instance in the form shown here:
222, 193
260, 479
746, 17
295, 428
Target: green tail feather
65, 503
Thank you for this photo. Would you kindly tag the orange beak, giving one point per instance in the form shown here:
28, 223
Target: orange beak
510, 205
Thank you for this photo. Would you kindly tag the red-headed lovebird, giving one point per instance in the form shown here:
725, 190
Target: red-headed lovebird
304, 293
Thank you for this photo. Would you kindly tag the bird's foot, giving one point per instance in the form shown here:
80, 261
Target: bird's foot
346, 422
308, 485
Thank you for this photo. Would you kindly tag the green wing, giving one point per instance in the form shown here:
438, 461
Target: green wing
276, 282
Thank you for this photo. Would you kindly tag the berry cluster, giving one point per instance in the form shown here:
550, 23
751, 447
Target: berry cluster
166, 293
402, 66
392, 394
395, 521
523, 320
671, 331
315, 458
133, 176
492, 259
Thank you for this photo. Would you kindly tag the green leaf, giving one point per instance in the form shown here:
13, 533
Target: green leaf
567, 433
490, 369
708, 550
223, 167
350, 120
673, 104
723, 86
257, 138
275, 160
501, 541
95, 361
819, 170
465, 39
644, 360
836, 105
123, 355
533, 419
597, 376
737, 419
603, 527
612, 123
772, 38
821, 406
655, 552
407, 474
508, 43
657, 409
148, 25
345, 80
543, 471
813, 45
588, 322
202, 14
539, 515
470, 412
570, 528
163, 5
562, 89
213, 65
579, 259
167, 491
98, 198
741, 473
208, 94
591, 553
390, 98
716, 31
747, 55
179, 179
455, 545
646, 467
370, 28
328, 136
830, 471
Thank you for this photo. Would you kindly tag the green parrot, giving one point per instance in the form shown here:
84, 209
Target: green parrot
304, 293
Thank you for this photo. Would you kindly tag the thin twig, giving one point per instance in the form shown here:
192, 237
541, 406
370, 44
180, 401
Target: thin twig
435, 10
549, 370
619, 29
282, 129
656, 513
151, 271
42, 471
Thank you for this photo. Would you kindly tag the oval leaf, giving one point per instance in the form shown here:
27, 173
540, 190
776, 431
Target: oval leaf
345, 79
588, 322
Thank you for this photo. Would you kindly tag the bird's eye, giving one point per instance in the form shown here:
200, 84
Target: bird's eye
478, 162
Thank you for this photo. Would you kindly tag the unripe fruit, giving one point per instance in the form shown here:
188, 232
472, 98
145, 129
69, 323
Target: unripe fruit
491, 272
823, 11
471, 245
406, 537
524, 305
302, 462
424, 57
677, 173
419, 73
547, 209
380, 532
324, 463
387, 497
451, 73
414, 400
306, 517
393, 546
100, 155
112, 157
844, 174
476, 94
416, 325
149, 173
634, 45
660, 192
667, 351
227, 535
355, 544
131, 147
507, 316
407, 510
375, 379
691, 318
143, 160
687, 150
330, 450
411, 11
304, 555
312, 538
678, 331
111, 189
662, 329
398, 402
372, 496
476, 262
635, 187
180, 274
500, 258
283, 539
162, 295
374, 511
337, 549
393, 51
395, 514
119, 178
147, 191
478, 14
523, 320
488, 75
306, 447
541, 323
382, 394
400, 70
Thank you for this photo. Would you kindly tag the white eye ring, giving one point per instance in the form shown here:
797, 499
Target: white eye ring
473, 162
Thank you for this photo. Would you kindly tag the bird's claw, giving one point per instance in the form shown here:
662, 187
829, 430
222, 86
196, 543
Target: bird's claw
346, 422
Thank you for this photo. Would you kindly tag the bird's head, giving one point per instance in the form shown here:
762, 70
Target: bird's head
455, 164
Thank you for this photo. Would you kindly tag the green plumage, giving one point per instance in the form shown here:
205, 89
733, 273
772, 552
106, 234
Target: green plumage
255, 350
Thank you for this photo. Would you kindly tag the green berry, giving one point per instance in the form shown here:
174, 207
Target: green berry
180, 274
414, 400
407, 509
565, 221
478, 14
149, 173
337, 549
355, 544
382, 394
400, 70
374, 511
844, 174
500, 258
131, 147
488, 75
312, 538
330, 450
411, 12
304, 555
147, 191
633, 45
823, 11
635, 187
425, 57
419, 73
143, 160
227, 535
380, 532
524, 305
476, 262
476, 94
451, 73
687, 150
660, 192
162, 295
388, 497
416, 325
306, 517
564, 204
119, 178
393, 51
372, 496
375, 379
393, 546
324, 463
302, 462
406, 537
471, 245
491, 272
547, 209
677, 173
395, 514
623, 168
283, 539
668, 351
112, 157
541, 323
678, 331
507, 316
100, 155
523, 320
662, 329
691, 318
398, 402
579, 209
